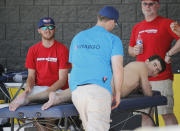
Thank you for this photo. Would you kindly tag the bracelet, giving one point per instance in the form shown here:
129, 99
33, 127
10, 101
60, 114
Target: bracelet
167, 54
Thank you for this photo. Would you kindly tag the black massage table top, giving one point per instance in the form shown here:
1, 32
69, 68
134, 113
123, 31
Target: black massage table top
142, 102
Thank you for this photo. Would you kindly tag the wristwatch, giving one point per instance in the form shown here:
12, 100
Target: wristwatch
167, 54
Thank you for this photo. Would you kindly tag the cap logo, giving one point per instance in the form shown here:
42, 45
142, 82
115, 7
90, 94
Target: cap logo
47, 20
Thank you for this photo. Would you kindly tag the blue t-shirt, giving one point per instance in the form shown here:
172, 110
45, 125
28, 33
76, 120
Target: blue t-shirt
90, 53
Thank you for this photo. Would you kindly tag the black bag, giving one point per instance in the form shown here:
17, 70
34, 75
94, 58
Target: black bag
1, 69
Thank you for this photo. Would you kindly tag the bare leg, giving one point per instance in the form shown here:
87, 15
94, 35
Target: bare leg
146, 121
19, 101
57, 98
24, 98
170, 119
41, 96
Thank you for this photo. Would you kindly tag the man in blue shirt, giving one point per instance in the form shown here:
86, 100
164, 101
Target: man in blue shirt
96, 56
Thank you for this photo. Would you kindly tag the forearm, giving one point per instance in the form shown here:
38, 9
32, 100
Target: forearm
118, 81
147, 91
131, 51
30, 82
118, 72
112, 86
39, 96
61, 82
57, 85
175, 49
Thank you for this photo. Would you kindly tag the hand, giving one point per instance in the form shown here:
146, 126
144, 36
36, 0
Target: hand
175, 28
28, 90
172, 25
168, 59
138, 49
115, 101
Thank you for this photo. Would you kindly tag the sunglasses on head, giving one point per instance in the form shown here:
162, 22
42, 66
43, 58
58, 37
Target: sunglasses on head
49, 27
148, 4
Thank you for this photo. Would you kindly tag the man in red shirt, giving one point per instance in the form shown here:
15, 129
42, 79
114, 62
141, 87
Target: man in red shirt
48, 66
156, 36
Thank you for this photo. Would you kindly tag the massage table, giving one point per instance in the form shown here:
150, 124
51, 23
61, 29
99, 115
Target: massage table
68, 111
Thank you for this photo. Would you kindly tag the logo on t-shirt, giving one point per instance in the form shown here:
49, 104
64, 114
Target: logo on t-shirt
85, 46
50, 59
149, 31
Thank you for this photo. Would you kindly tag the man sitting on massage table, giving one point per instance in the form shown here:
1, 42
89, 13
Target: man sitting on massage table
135, 75
48, 66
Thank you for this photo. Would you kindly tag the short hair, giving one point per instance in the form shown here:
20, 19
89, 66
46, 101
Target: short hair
162, 62
103, 18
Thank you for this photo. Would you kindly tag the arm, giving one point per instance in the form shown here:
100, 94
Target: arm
63, 76
172, 51
131, 51
175, 31
117, 68
146, 87
22, 99
30, 82
112, 86
134, 49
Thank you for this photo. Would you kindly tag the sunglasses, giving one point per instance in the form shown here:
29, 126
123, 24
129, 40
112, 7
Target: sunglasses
49, 27
148, 4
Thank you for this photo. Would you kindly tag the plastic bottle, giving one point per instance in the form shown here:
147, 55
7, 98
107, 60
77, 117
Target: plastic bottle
5, 70
139, 42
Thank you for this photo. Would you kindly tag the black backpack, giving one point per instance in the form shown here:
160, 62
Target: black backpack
1, 69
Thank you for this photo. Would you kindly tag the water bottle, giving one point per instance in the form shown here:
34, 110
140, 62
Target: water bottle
139, 42
5, 70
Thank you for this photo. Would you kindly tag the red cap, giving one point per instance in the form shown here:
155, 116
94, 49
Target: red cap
152, 0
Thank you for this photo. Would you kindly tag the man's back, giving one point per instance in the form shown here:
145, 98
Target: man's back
133, 72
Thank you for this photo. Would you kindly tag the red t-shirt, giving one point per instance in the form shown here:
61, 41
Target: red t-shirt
47, 62
157, 37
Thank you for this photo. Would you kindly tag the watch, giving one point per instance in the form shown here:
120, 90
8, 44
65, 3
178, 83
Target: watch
167, 54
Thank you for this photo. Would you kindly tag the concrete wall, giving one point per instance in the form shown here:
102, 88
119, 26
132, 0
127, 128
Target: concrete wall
18, 23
